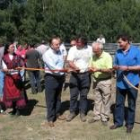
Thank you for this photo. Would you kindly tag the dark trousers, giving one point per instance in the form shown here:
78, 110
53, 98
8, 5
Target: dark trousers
53, 89
119, 114
79, 85
34, 77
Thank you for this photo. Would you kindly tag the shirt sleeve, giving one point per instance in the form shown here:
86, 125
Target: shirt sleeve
70, 56
4, 65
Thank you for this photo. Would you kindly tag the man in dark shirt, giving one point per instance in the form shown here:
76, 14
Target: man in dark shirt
33, 58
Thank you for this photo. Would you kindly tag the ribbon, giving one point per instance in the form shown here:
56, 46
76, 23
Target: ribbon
129, 83
42, 69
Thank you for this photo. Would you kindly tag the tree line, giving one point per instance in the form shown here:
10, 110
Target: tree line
35, 20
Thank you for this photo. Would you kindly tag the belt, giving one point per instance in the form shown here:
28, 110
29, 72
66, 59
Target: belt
102, 79
79, 73
57, 76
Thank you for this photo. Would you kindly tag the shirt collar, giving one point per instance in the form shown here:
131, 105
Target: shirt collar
56, 52
125, 52
99, 56
82, 47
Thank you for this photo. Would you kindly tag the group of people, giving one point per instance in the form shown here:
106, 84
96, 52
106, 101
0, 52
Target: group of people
83, 63
13, 63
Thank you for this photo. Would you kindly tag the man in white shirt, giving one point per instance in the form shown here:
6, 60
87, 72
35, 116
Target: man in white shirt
54, 61
78, 59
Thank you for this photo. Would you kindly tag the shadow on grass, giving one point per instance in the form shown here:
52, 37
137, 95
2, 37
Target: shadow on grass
42, 106
90, 105
29, 108
137, 122
64, 106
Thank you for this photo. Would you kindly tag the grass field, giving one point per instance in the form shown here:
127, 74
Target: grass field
30, 125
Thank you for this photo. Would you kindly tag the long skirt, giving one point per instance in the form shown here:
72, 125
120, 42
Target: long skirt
13, 91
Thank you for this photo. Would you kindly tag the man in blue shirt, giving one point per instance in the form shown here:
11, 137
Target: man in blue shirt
126, 64
54, 59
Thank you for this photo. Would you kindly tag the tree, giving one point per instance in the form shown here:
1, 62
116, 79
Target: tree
34, 20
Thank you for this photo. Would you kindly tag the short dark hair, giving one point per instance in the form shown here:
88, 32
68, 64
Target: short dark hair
6, 47
32, 45
83, 39
124, 37
73, 38
54, 37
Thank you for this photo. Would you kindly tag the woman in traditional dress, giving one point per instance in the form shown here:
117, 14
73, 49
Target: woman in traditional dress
14, 96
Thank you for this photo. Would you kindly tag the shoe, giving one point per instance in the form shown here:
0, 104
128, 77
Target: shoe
83, 117
61, 117
114, 126
105, 123
92, 120
51, 124
129, 129
70, 117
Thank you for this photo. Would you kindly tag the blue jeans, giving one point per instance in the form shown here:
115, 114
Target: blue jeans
79, 84
119, 114
53, 89
34, 77
1, 83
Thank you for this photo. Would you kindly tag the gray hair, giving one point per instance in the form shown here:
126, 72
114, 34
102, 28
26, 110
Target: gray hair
100, 45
